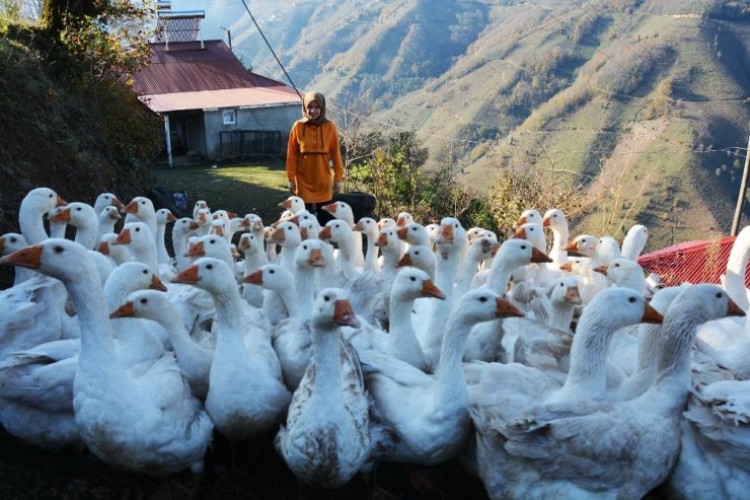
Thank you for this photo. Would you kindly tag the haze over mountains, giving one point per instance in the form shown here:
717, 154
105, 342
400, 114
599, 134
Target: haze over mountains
645, 105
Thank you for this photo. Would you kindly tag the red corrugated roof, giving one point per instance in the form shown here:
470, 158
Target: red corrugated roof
189, 70
691, 262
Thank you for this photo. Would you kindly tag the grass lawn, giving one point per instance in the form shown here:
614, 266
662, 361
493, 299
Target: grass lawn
240, 188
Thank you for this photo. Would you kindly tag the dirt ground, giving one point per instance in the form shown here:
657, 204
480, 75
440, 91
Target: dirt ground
259, 473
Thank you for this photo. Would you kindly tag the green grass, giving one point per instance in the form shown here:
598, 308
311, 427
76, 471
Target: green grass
240, 188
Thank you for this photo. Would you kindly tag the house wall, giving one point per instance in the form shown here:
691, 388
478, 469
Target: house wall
277, 118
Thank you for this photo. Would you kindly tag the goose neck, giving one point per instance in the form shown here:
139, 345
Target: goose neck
327, 358
588, 357
97, 346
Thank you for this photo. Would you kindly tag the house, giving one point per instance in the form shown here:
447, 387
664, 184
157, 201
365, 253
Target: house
212, 106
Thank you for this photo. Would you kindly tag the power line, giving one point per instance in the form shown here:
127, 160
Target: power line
271, 49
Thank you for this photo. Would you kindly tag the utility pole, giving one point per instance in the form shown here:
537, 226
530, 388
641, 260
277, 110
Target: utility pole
743, 190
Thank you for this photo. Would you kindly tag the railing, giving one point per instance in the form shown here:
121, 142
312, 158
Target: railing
245, 143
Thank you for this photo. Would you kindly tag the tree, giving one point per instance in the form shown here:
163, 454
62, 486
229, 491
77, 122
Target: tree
55, 13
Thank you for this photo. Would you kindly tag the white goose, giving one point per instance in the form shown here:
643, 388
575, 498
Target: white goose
427, 415
555, 220
327, 437
343, 212
451, 246
419, 256
107, 200
194, 359
604, 450
9, 243
118, 253
163, 217
173, 430
409, 285
34, 206
291, 337
37, 383
83, 217
108, 218
255, 257
246, 395
369, 228
141, 209
634, 242
182, 230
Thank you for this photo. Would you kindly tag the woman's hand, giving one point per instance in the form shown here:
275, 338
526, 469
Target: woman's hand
337, 187
292, 187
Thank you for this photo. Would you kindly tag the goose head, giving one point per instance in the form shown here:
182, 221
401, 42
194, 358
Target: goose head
107, 200
367, 226
530, 215
55, 257
337, 231
294, 204
421, 257
184, 227
332, 308
146, 304
310, 254
414, 234
404, 218
583, 244
534, 233
12, 242
341, 210
482, 304
164, 216
208, 273
412, 283
565, 291
271, 277
141, 207
386, 222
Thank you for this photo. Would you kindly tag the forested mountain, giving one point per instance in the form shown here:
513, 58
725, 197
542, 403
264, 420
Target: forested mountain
644, 105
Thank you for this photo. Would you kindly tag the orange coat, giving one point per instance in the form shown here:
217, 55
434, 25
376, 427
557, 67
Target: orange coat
310, 148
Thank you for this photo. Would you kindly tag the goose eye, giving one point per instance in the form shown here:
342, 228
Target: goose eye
145, 271
212, 241
327, 298
304, 247
209, 266
79, 209
719, 295
13, 239
137, 229
483, 299
632, 300
523, 247
144, 301
413, 278
562, 284
58, 249
50, 195
271, 271
416, 252
617, 265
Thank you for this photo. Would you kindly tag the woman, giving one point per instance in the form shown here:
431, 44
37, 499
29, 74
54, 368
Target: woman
312, 151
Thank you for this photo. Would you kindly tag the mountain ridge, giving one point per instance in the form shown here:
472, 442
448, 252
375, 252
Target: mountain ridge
576, 89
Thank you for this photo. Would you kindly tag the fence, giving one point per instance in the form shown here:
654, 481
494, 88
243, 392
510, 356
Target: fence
245, 143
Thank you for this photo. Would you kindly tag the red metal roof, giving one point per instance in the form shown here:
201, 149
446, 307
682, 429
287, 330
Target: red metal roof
197, 75
691, 262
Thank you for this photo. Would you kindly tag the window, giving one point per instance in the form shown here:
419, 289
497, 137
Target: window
230, 116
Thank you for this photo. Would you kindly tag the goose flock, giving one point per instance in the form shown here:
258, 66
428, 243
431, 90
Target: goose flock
545, 366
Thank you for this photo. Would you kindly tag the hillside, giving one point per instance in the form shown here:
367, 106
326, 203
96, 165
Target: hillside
644, 105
